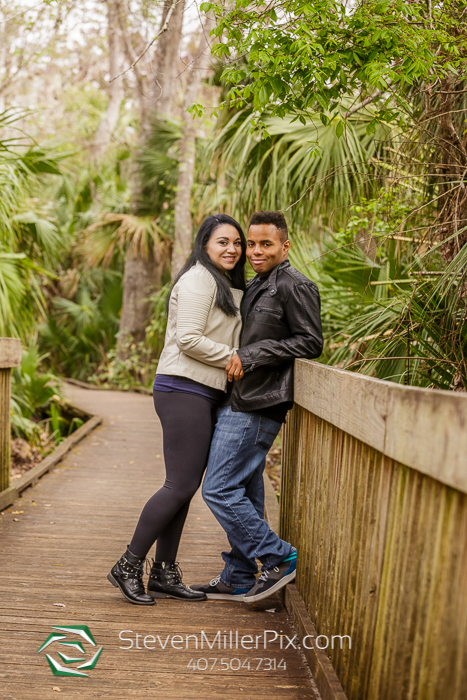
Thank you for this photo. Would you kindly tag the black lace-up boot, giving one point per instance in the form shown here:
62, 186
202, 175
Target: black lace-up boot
127, 574
165, 581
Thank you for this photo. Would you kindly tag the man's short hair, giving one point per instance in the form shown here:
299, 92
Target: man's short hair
276, 218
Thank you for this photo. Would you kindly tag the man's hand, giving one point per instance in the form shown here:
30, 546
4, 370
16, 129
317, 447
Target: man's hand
234, 369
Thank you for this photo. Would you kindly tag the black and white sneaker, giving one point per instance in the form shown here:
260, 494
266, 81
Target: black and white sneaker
217, 590
272, 580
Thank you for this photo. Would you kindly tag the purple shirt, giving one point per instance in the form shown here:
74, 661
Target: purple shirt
183, 385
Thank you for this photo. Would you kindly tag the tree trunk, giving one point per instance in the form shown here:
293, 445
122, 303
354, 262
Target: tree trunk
140, 279
110, 119
167, 65
183, 220
131, 55
143, 276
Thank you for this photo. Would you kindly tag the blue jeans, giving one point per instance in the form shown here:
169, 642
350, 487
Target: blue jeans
233, 489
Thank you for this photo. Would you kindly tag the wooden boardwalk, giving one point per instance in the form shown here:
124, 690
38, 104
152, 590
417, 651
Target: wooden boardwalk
58, 543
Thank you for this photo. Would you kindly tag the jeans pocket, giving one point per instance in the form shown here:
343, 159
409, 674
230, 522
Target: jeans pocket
267, 432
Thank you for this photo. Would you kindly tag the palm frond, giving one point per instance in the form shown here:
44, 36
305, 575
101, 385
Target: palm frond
113, 233
305, 168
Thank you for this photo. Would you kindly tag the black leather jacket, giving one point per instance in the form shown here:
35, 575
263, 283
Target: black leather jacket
280, 322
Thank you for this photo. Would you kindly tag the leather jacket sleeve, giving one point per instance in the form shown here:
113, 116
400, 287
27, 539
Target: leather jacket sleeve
302, 311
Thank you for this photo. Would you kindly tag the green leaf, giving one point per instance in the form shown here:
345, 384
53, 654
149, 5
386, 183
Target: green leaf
196, 110
323, 102
263, 96
339, 129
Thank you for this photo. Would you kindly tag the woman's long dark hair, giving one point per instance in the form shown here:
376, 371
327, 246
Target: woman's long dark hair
224, 299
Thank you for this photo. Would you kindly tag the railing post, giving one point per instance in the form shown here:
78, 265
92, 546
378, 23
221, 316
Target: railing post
10, 356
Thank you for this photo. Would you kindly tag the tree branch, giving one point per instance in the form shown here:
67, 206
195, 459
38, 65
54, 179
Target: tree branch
164, 29
27, 9
364, 102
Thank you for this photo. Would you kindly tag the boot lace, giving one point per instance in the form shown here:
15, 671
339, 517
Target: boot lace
214, 581
173, 572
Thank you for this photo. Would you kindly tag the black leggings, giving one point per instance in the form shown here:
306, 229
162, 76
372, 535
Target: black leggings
187, 424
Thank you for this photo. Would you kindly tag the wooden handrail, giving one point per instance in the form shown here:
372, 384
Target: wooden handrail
422, 428
374, 497
10, 356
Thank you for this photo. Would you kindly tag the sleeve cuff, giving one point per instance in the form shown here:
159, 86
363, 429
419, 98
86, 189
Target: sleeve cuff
245, 357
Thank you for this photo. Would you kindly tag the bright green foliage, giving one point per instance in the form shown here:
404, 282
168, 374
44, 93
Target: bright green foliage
306, 56
158, 167
37, 399
304, 168
136, 369
138, 366
30, 241
32, 392
83, 314
398, 316
113, 230
155, 332
79, 330
361, 142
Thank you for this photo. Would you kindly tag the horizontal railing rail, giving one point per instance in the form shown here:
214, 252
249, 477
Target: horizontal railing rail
422, 428
374, 497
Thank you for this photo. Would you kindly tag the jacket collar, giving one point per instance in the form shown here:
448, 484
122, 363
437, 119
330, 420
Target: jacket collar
271, 280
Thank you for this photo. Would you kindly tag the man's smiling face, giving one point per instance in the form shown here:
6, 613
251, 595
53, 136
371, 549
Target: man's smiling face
266, 248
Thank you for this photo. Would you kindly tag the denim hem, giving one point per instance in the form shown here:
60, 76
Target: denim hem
275, 561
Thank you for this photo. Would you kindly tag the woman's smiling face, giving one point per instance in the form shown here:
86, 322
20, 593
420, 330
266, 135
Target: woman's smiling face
224, 247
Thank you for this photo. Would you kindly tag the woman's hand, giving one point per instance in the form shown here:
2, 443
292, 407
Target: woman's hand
234, 369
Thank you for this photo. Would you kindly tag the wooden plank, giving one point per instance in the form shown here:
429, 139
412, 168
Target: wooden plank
320, 666
422, 428
427, 430
74, 525
10, 352
9, 495
382, 558
350, 401
5, 437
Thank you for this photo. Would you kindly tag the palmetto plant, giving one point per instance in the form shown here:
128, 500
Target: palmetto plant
319, 168
84, 302
80, 327
30, 242
391, 308
399, 318
113, 230
32, 392
112, 234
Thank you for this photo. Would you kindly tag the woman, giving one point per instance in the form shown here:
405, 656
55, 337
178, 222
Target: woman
203, 331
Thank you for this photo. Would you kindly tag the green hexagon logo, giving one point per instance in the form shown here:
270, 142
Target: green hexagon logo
73, 651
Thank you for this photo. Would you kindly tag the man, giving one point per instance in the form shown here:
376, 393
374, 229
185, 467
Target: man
281, 321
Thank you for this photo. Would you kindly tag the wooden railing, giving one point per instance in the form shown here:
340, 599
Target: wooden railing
374, 497
10, 356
